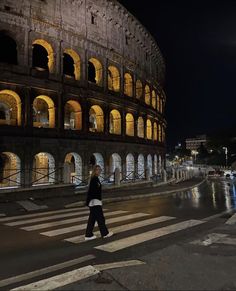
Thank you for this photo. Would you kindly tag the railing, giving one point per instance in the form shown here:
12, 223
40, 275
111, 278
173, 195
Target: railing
10, 178
133, 176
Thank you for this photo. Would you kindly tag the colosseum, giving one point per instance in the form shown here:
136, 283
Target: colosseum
80, 84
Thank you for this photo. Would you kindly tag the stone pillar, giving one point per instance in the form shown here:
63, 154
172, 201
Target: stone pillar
117, 177
66, 173
173, 173
147, 174
177, 175
164, 175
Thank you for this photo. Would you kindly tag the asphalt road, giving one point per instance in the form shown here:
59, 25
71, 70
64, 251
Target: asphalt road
141, 227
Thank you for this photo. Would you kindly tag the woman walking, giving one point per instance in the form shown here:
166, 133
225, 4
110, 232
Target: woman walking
94, 202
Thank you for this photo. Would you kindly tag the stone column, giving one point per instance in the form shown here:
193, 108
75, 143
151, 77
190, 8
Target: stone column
117, 177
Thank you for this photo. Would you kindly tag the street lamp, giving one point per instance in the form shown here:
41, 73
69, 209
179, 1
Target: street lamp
195, 153
226, 156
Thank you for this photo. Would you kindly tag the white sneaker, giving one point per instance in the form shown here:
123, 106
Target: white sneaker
109, 234
90, 237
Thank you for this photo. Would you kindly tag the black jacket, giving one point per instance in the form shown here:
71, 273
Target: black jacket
95, 190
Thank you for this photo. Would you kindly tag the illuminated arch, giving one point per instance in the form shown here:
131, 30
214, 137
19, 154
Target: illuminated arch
128, 85
96, 119
149, 164
49, 50
159, 133
12, 103
44, 112
97, 159
43, 169
115, 122
155, 132
10, 170
113, 79
77, 62
149, 129
139, 89
73, 115
75, 162
130, 167
140, 127
147, 95
115, 162
95, 71
129, 124
141, 167
160, 104
154, 99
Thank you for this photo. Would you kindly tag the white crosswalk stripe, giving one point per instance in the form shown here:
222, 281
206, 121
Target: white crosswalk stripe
147, 236
62, 231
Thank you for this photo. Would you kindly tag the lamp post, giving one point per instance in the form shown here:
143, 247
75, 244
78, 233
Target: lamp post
226, 156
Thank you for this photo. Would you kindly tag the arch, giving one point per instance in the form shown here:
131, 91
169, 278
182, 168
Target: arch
139, 89
147, 95
44, 112
96, 119
128, 85
43, 169
149, 164
159, 133
154, 99
76, 167
130, 167
129, 124
10, 170
95, 71
115, 122
11, 104
160, 105
8, 49
73, 115
115, 162
149, 129
141, 167
140, 127
42, 59
72, 64
113, 79
155, 132
155, 164
97, 159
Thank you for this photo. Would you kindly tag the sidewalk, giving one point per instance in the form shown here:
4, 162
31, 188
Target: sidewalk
109, 195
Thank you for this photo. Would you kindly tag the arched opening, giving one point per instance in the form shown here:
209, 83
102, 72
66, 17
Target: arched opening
113, 79
154, 99
149, 129
75, 162
155, 132
73, 115
115, 162
71, 64
159, 133
147, 95
8, 49
43, 112
97, 159
160, 105
95, 71
129, 124
96, 119
10, 108
140, 127
155, 164
43, 56
10, 170
115, 122
130, 167
139, 89
43, 169
149, 164
141, 167
128, 85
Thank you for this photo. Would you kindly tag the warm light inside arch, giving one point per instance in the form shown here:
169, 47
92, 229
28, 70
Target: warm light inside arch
49, 50
77, 62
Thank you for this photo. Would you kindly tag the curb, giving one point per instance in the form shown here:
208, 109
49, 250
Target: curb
140, 196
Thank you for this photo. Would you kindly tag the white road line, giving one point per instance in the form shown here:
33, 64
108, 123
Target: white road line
67, 221
52, 217
83, 226
209, 239
126, 227
19, 217
121, 264
50, 269
227, 241
146, 236
217, 215
60, 280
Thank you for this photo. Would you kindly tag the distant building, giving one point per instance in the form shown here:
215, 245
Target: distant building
195, 143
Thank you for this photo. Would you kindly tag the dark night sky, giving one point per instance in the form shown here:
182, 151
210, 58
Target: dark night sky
198, 42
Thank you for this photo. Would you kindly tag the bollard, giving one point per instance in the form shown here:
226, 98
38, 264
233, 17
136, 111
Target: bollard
117, 177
